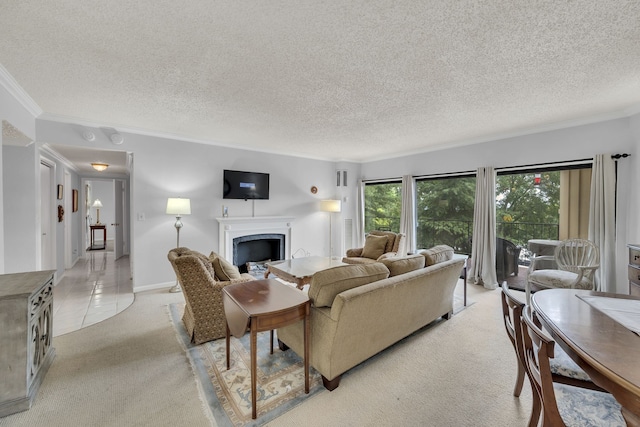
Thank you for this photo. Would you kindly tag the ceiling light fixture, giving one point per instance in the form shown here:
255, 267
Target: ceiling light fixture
99, 166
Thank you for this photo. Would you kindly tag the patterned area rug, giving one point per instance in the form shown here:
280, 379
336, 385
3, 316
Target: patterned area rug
280, 383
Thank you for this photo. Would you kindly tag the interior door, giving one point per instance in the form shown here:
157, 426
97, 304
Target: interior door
119, 241
46, 212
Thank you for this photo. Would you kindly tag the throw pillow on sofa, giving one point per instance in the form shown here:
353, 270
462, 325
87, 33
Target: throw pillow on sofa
437, 254
405, 264
224, 270
374, 246
326, 284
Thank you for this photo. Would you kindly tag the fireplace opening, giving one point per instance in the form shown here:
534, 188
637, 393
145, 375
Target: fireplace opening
256, 248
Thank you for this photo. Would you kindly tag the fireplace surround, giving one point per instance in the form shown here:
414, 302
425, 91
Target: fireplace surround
232, 231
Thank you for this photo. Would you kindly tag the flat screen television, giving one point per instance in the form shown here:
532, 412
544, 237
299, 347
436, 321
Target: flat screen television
245, 185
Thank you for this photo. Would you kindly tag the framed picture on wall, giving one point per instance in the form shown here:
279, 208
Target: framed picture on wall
74, 194
59, 191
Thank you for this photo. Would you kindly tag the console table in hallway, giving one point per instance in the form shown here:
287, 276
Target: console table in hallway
95, 227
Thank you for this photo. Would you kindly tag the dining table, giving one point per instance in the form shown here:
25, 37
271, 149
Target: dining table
596, 331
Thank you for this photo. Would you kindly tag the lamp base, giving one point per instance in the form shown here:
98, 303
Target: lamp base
175, 288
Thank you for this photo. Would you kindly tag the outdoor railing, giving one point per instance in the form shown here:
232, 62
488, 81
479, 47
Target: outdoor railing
458, 233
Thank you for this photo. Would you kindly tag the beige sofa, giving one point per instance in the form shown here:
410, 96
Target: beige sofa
360, 309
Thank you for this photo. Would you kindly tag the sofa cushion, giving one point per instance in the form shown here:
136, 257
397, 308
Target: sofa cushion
437, 254
223, 269
391, 239
374, 246
326, 284
404, 264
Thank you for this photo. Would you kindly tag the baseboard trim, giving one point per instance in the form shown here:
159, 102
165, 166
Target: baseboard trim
153, 287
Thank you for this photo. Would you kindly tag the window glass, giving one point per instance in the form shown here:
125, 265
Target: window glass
382, 206
444, 212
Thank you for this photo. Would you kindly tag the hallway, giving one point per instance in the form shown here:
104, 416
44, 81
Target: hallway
96, 288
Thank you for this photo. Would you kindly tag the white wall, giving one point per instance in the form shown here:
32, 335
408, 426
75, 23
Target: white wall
12, 111
22, 208
581, 142
167, 168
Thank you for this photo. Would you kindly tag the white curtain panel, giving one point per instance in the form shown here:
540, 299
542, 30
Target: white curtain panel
602, 222
359, 232
408, 215
483, 248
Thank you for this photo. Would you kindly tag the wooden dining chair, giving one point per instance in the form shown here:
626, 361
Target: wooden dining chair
562, 404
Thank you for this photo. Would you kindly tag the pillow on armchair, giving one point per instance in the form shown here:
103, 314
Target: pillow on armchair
223, 269
374, 246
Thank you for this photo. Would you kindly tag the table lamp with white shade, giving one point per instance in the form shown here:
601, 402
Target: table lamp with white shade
330, 206
97, 204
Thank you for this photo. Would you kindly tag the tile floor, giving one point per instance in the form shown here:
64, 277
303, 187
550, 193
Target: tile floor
95, 289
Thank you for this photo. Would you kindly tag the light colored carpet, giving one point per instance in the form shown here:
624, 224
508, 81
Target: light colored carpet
131, 371
280, 376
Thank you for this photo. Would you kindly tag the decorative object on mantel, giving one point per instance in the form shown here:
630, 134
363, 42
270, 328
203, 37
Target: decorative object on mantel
331, 206
97, 204
178, 206
314, 189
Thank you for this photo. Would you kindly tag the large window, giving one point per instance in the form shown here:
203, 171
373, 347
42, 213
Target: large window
382, 206
444, 212
543, 204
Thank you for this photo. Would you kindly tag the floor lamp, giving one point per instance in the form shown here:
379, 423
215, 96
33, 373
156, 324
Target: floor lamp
178, 207
331, 206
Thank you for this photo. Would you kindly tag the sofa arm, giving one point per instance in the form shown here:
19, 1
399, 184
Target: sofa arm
355, 252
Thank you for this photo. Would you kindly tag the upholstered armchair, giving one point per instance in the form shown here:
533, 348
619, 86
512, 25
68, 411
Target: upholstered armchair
203, 316
378, 245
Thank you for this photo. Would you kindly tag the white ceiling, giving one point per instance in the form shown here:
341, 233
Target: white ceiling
356, 80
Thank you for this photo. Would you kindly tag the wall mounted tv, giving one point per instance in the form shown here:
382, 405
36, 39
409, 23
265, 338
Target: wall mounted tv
245, 185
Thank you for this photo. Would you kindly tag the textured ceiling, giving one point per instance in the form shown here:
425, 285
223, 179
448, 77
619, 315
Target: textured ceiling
337, 80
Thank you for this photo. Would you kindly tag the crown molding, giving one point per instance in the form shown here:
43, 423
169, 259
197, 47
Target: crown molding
46, 149
11, 85
171, 136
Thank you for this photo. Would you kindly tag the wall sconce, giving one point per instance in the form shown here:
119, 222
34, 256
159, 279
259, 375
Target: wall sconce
99, 166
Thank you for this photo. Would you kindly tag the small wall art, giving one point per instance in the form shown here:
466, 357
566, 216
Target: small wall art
74, 194
59, 191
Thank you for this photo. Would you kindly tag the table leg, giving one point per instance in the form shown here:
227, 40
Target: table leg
228, 339
266, 273
271, 336
306, 350
465, 282
254, 343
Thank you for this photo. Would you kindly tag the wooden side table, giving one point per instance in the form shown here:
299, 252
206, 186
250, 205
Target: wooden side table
264, 305
102, 227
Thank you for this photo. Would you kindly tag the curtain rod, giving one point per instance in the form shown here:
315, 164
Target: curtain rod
509, 168
620, 156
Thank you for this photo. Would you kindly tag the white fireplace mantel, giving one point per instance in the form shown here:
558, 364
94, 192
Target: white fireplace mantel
234, 227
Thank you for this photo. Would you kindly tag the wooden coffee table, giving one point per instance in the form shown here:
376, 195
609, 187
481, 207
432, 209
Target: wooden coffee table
300, 270
264, 305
